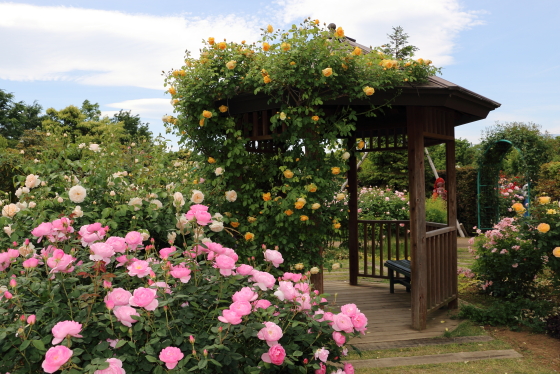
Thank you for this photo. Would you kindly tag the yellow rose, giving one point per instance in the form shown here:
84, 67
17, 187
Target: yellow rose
357, 51
316, 22
361, 144
544, 199
335, 170
266, 46
327, 72
249, 236
231, 64
222, 45
340, 196
543, 227
266, 196
251, 219
388, 64
234, 224
303, 218
266, 79
269, 28
420, 60
427, 62
207, 114
211, 160
223, 108
285, 47
336, 226
292, 63
312, 187
518, 207
299, 266
288, 212
339, 32
211, 41
556, 252
315, 206
288, 173
315, 118
201, 122
282, 116
369, 90
551, 211
299, 204
172, 90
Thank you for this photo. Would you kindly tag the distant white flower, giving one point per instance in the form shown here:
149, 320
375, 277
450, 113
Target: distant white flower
94, 147
77, 212
314, 270
216, 226
60, 199
18, 192
77, 194
219, 171
178, 199
197, 197
335, 266
345, 156
157, 203
231, 196
136, 202
171, 237
82, 145
145, 234
8, 230
21, 205
340, 196
112, 193
32, 204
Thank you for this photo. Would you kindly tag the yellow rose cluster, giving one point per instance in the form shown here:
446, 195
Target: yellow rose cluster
266, 196
288, 173
299, 204
543, 228
249, 236
544, 199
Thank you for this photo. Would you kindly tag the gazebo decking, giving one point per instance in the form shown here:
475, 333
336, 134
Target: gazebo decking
388, 314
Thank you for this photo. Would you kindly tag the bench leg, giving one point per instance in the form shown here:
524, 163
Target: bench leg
408, 287
392, 281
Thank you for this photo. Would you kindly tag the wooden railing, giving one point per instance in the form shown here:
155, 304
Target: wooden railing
379, 241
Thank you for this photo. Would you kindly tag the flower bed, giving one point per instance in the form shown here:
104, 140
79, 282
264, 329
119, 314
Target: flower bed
87, 303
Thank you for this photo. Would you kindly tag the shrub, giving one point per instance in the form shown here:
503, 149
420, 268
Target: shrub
549, 181
85, 302
436, 210
376, 203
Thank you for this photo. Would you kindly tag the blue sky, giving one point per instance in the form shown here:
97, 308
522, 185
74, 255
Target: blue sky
113, 52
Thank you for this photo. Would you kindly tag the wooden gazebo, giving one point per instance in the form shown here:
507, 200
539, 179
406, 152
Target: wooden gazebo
420, 116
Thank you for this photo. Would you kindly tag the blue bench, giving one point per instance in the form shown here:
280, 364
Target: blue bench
401, 267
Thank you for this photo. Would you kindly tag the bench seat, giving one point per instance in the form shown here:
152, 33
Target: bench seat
401, 267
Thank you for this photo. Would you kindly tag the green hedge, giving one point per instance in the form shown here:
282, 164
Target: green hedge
549, 181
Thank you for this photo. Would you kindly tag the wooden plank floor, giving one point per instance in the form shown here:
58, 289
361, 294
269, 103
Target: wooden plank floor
389, 315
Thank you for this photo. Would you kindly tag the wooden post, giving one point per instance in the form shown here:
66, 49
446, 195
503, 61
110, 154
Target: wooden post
452, 213
415, 118
353, 215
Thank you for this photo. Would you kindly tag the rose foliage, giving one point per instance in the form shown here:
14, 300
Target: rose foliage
283, 192
78, 300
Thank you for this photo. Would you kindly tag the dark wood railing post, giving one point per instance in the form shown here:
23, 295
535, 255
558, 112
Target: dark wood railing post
353, 215
452, 217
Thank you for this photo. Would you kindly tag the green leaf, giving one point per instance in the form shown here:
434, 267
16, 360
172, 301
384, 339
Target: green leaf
37, 344
24, 345
151, 358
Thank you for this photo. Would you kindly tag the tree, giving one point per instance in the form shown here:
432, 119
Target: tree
16, 117
398, 46
132, 124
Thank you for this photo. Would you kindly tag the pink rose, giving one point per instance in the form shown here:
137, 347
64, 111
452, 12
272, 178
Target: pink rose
144, 298
359, 321
124, 315
216, 248
30, 263
115, 367
165, 252
286, 291
60, 262
181, 272
275, 355
139, 268
31, 319
273, 256
101, 252
118, 243
292, 276
43, 229
341, 322
229, 316
92, 233
133, 239
245, 294
322, 354
231, 253
322, 370
263, 279
119, 296
271, 333
200, 213
55, 358
350, 310
66, 328
5, 260
225, 264
338, 338
348, 368
262, 304
171, 356
304, 301
244, 269
242, 308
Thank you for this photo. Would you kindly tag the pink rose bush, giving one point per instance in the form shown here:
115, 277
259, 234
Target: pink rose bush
195, 306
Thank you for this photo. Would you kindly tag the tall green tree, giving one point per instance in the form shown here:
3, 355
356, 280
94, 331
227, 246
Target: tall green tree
398, 46
16, 117
132, 124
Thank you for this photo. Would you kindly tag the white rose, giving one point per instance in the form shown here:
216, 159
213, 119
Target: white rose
43, 183
231, 196
345, 156
132, 144
21, 205
282, 116
32, 204
335, 266
32, 181
77, 212
217, 216
219, 171
10, 210
197, 197
136, 202
157, 203
112, 193
25, 190
82, 145
171, 237
216, 226
177, 164
8, 230
145, 234
182, 222
94, 147
178, 199
314, 270
19, 192
36, 161
77, 194
60, 199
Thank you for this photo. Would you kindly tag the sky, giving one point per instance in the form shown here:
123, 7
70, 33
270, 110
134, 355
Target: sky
62, 52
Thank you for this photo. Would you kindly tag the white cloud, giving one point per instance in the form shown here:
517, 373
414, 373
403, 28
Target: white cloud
432, 25
146, 108
106, 48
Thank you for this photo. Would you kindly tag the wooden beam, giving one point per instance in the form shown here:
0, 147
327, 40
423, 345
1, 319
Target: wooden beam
415, 126
353, 219
452, 213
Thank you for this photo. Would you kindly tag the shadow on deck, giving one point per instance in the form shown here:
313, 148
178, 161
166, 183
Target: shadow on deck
389, 315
